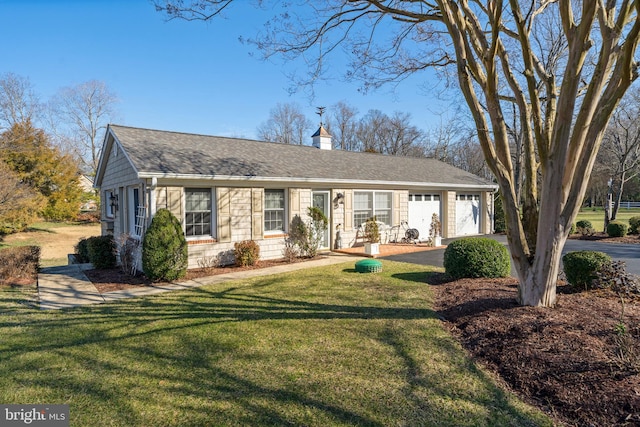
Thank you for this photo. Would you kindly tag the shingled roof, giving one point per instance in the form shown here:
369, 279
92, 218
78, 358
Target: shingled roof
155, 153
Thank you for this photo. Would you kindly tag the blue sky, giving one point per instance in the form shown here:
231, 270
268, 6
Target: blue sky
175, 75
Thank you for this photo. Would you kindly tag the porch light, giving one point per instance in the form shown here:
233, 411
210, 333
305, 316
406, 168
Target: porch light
113, 200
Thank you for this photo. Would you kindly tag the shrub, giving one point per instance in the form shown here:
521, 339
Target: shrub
247, 252
128, 254
585, 228
617, 229
634, 225
82, 250
580, 267
572, 230
21, 262
476, 257
164, 248
102, 251
371, 230
304, 239
613, 275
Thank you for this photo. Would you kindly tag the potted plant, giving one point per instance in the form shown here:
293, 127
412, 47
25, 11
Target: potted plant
372, 236
434, 232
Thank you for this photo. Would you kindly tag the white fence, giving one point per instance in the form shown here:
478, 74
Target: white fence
629, 205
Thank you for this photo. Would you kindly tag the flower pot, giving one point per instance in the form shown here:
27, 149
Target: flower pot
437, 241
372, 248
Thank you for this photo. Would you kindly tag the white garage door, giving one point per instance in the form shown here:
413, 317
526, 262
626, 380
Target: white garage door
421, 209
467, 214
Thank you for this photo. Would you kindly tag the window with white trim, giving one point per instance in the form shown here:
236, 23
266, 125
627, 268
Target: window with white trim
367, 204
274, 213
198, 216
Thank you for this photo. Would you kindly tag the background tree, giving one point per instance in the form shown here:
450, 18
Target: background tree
401, 138
28, 152
286, 125
80, 115
20, 205
620, 154
342, 125
493, 46
18, 101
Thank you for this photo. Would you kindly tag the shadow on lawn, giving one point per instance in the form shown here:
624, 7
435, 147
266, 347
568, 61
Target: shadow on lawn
199, 306
191, 376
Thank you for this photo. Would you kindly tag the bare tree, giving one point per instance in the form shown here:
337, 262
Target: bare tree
18, 101
401, 138
563, 110
620, 153
286, 125
80, 115
370, 130
342, 126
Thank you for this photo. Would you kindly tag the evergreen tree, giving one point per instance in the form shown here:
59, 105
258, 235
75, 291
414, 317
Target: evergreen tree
164, 248
28, 152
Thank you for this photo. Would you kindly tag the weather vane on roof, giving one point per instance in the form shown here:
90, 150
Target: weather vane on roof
320, 112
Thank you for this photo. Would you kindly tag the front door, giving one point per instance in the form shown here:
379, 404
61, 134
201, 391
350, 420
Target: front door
321, 201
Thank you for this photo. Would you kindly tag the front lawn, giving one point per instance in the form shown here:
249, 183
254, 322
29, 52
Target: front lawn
596, 216
323, 346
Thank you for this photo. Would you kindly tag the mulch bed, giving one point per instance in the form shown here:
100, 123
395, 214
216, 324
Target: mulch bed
629, 239
568, 360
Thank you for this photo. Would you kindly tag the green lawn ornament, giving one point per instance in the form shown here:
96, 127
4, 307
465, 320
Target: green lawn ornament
368, 266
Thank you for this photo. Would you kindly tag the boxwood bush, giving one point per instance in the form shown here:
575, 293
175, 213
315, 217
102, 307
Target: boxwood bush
585, 227
82, 250
476, 257
581, 267
617, 229
634, 225
102, 251
164, 248
247, 252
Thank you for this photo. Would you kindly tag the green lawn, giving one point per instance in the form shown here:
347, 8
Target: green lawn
318, 347
596, 216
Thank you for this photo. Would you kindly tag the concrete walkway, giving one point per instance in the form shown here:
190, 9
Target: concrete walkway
67, 286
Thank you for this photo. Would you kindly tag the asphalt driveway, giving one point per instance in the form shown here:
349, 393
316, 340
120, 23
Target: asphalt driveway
629, 253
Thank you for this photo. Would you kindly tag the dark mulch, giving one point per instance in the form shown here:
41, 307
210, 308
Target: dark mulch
603, 237
567, 360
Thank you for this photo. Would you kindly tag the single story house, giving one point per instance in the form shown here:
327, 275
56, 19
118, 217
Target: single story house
224, 190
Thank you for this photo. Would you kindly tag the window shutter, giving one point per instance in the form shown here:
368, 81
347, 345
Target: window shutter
257, 222
174, 202
395, 216
223, 198
294, 203
348, 209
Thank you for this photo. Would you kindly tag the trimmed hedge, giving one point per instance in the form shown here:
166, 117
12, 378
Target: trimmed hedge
82, 250
581, 267
164, 248
634, 225
19, 262
617, 229
476, 257
102, 251
585, 227
246, 252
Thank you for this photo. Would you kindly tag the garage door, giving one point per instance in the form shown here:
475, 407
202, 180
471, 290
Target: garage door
421, 209
467, 214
